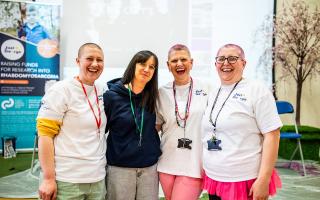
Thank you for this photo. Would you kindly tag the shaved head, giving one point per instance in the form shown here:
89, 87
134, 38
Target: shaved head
241, 52
178, 47
92, 45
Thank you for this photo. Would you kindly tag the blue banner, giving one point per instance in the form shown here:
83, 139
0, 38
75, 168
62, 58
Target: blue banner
18, 114
29, 63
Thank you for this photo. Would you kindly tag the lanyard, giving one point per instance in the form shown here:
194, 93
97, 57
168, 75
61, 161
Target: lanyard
187, 108
138, 128
98, 120
214, 124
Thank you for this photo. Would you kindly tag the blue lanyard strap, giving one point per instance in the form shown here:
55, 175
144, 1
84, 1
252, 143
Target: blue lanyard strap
138, 128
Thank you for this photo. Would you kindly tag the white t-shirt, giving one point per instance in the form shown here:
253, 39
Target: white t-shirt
79, 149
178, 161
249, 113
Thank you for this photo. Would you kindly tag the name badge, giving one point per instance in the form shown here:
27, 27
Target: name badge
214, 145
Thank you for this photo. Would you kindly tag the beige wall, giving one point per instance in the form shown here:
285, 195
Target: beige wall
286, 89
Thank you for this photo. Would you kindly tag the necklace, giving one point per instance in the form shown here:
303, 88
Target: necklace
187, 108
98, 119
139, 129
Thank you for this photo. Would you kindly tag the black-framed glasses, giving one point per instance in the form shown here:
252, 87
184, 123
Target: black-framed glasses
230, 59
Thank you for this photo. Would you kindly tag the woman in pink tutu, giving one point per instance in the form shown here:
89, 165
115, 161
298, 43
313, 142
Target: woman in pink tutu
240, 134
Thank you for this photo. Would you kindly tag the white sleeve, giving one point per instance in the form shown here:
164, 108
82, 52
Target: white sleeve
159, 117
54, 104
266, 112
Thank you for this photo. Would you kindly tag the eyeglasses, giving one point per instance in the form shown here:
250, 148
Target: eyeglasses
230, 59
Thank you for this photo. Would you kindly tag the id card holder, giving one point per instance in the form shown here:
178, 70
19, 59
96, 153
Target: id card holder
214, 145
184, 143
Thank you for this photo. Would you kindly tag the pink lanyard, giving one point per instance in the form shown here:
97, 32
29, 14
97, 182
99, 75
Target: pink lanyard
98, 121
187, 105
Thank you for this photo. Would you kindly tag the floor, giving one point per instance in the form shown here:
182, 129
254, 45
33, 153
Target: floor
294, 185
297, 187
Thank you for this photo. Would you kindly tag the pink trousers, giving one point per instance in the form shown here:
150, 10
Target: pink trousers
180, 187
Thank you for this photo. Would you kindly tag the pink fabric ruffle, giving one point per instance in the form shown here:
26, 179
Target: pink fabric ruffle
238, 190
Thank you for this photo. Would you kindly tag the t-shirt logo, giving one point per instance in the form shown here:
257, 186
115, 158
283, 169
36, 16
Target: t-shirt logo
201, 92
239, 96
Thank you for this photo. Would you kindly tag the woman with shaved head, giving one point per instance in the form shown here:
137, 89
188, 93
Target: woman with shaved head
71, 127
240, 134
181, 106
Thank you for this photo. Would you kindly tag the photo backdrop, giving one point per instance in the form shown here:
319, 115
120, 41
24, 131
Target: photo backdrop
123, 27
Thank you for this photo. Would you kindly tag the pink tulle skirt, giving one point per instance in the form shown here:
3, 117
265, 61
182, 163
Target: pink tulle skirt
238, 190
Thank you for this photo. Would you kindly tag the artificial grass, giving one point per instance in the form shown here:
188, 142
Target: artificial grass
307, 132
310, 142
13, 165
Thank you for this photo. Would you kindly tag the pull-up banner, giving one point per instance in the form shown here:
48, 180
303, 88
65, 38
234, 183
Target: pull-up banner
29, 62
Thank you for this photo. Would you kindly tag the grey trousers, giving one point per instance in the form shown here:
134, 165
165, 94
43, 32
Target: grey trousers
132, 183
